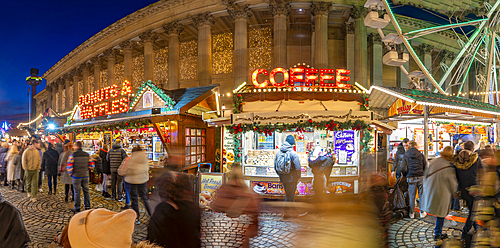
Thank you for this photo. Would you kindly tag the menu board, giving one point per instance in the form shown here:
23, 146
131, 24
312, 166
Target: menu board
344, 146
209, 184
227, 150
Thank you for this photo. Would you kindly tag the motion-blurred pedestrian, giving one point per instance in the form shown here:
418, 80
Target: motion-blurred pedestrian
50, 164
3, 165
467, 163
10, 158
176, 220
66, 178
79, 164
321, 165
136, 175
440, 184
106, 170
31, 162
414, 165
115, 158
13, 233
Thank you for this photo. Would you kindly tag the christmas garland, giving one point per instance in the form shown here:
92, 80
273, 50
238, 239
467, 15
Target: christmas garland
461, 124
169, 103
129, 124
365, 105
268, 129
238, 100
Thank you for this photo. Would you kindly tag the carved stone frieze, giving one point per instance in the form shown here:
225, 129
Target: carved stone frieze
203, 19
127, 45
321, 8
173, 27
358, 12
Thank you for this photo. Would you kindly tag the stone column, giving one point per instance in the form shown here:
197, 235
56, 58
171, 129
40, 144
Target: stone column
76, 78
97, 72
425, 52
348, 30
85, 77
204, 23
313, 34
360, 43
148, 39
240, 17
60, 84
110, 55
67, 82
280, 13
50, 90
320, 11
173, 30
375, 42
127, 59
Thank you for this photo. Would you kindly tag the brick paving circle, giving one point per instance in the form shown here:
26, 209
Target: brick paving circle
416, 233
46, 218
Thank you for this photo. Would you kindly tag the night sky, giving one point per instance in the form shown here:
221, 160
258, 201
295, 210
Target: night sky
37, 34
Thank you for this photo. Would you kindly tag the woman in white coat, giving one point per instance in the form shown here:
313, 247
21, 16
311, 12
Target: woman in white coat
11, 166
440, 183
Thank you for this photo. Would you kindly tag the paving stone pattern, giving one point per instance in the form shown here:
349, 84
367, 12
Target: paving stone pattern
46, 218
416, 233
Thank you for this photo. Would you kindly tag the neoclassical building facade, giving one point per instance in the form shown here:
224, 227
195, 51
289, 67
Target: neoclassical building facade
188, 43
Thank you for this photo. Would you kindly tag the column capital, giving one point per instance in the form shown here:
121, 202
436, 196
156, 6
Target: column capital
60, 81
148, 36
425, 49
110, 53
358, 12
173, 28
203, 19
374, 38
239, 12
76, 72
282, 8
321, 8
86, 66
96, 60
348, 28
127, 45
312, 27
446, 55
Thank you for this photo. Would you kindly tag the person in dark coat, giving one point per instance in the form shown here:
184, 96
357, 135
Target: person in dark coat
3, 165
398, 159
12, 230
115, 157
321, 166
50, 164
414, 164
176, 220
59, 147
467, 165
106, 170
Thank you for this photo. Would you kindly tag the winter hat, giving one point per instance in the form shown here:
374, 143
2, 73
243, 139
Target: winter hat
66, 141
290, 139
99, 228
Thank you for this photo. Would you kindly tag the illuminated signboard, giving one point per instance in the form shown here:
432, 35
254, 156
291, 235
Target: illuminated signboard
106, 101
303, 77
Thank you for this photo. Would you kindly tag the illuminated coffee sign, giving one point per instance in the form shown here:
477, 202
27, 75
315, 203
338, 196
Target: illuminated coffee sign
302, 77
106, 101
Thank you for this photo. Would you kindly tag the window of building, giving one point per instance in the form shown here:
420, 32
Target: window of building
195, 146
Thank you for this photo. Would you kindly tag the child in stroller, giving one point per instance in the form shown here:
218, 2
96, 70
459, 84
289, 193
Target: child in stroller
398, 199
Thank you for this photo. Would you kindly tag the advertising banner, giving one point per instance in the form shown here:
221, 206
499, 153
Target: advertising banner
276, 188
209, 184
344, 146
341, 187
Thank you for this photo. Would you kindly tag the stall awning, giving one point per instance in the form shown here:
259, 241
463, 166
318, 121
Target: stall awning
193, 96
383, 97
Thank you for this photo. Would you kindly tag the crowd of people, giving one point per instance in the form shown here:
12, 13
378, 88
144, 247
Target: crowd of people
24, 165
444, 180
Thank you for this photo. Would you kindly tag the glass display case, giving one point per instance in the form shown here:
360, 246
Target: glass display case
260, 150
148, 140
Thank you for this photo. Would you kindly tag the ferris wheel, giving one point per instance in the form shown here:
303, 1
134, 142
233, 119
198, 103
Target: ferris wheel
480, 47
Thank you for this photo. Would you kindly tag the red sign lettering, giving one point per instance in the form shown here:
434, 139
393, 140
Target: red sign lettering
303, 77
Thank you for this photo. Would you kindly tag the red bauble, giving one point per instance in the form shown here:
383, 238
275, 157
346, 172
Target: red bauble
310, 121
126, 123
239, 95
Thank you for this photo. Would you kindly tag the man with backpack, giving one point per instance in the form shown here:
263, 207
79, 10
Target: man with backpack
287, 166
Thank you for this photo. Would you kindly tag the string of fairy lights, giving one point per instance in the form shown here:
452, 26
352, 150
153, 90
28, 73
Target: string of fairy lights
160, 69
104, 79
137, 70
222, 53
189, 60
57, 102
70, 95
119, 72
260, 48
91, 83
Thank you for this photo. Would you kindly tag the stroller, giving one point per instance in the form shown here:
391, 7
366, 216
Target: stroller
397, 200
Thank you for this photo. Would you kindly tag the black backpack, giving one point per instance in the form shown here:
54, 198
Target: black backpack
283, 163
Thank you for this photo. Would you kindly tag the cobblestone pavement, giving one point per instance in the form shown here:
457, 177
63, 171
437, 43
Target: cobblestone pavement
416, 233
46, 218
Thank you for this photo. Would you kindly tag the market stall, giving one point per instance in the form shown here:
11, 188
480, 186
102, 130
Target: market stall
434, 120
161, 122
317, 109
